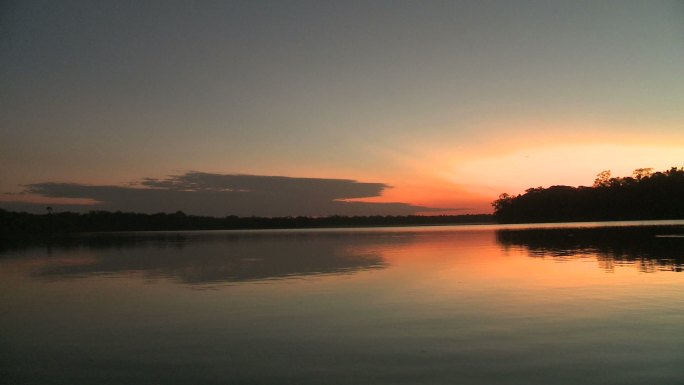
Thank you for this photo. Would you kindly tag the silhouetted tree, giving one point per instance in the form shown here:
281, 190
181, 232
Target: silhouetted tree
644, 195
602, 179
641, 173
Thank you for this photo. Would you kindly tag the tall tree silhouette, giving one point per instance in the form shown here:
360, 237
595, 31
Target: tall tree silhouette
644, 195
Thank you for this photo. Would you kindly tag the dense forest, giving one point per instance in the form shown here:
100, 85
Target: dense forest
13, 223
644, 195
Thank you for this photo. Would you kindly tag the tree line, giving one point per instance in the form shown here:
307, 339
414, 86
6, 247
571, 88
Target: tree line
644, 195
12, 223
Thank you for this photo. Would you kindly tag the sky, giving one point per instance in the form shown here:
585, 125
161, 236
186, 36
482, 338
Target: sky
330, 107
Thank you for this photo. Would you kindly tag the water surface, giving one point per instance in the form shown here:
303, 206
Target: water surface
551, 304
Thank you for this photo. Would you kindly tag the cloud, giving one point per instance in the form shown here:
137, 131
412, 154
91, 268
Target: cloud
243, 195
321, 188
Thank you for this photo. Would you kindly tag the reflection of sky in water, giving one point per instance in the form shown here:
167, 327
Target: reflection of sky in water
212, 257
649, 248
422, 306
205, 258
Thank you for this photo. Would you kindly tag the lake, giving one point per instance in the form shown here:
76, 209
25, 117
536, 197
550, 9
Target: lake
592, 303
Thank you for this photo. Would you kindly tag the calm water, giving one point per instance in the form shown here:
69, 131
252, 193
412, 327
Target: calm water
446, 305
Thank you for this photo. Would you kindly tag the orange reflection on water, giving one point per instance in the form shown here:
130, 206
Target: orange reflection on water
441, 267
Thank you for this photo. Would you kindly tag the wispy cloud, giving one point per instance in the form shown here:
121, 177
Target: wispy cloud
225, 194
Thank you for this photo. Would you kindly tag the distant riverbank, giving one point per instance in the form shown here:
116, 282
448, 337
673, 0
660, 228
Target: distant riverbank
20, 223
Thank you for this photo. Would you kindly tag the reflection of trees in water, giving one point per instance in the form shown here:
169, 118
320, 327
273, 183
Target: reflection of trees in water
648, 248
205, 257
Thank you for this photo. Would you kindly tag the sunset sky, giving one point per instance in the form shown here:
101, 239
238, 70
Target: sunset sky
331, 107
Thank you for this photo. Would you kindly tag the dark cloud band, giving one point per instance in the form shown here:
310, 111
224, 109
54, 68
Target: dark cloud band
243, 195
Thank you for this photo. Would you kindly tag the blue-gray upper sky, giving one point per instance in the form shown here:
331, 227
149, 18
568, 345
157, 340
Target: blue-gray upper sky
445, 103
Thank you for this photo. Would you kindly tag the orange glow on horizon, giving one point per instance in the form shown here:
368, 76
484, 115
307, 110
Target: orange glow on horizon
457, 174
465, 176
38, 199
434, 193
